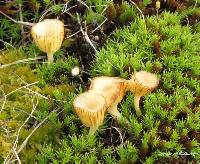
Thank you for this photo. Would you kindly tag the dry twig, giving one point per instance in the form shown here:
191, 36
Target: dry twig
195, 4
22, 61
133, 3
120, 134
27, 138
6, 95
85, 34
44, 13
83, 3
73, 34
42, 96
19, 22
21, 19
14, 148
8, 44
99, 25
17, 157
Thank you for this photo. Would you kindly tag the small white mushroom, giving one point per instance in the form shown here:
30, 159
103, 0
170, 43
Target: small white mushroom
75, 71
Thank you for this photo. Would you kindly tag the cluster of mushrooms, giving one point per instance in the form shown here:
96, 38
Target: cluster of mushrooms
105, 93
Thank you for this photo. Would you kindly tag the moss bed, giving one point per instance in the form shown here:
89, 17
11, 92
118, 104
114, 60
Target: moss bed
37, 120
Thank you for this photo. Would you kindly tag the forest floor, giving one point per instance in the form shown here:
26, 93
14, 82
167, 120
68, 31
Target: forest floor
101, 38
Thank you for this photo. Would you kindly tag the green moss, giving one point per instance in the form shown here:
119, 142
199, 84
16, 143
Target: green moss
170, 121
4, 147
119, 13
57, 73
21, 101
9, 30
163, 46
169, 124
93, 17
127, 153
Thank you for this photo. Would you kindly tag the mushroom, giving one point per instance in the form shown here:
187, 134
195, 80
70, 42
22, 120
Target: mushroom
113, 89
48, 36
140, 84
91, 108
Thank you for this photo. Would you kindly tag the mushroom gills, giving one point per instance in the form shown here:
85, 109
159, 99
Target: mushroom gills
48, 36
90, 111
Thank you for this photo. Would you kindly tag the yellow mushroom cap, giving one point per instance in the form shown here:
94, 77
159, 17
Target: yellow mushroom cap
90, 107
112, 88
48, 35
158, 4
143, 82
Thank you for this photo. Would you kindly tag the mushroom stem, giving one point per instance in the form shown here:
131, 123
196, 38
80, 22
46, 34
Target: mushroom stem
50, 57
93, 129
137, 104
116, 114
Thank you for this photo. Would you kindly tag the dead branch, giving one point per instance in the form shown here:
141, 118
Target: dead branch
5, 96
17, 157
22, 61
33, 110
65, 9
120, 134
133, 3
8, 44
18, 22
22, 111
73, 34
195, 4
42, 96
36, 93
14, 147
21, 19
45, 12
83, 3
85, 34
27, 138
99, 25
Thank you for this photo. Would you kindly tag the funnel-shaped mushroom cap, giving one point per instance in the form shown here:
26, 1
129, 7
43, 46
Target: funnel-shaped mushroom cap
48, 35
90, 107
112, 88
143, 82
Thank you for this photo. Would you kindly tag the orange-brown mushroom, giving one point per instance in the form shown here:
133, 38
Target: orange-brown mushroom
91, 108
48, 36
142, 83
113, 89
